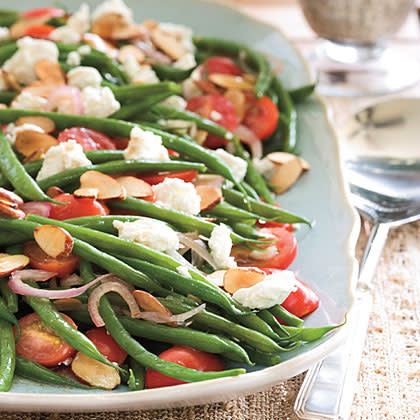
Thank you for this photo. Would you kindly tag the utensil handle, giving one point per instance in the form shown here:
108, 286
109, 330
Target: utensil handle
327, 391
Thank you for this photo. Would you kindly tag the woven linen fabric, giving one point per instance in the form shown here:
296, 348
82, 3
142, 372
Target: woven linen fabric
389, 379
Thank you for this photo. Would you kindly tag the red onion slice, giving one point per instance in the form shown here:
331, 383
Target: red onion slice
110, 286
149, 50
70, 96
17, 285
199, 249
248, 137
40, 208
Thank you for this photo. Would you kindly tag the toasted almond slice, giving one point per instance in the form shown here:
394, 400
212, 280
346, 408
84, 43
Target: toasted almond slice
11, 196
54, 191
280, 158
100, 44
150, 24
53, 240
249, 78
168, 44
6, 202
29, 141
108, 188
95, 373
50, 72
208, 179
10, 263
135, 187
305, 165
47, 124
149, 303
285, 175
105, 25
200, 136
86, 193
128, 32
217, 277
39, 89
35, 155
238, 99
229, 81
130, 50
9, 209
210, 196
207, 87
11, 81
242, 278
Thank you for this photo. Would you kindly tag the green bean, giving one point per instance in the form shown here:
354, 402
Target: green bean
255, 59
133, 93
7, 315
6, 96
300, 94
8, 17
103, 223
255, 179
263, 359
137, 378
250, 191
165, 72
272, 321
16, 174
34, 371
224, 210
7, 355
309, 334
254, 322
247, 230
263, 210
287, 317
6, 51
10, 297
149, 360
117, 167
210, 321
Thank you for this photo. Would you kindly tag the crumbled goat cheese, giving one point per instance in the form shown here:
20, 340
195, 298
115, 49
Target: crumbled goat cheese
99, 102
220, 244
145, 145
237, 165
84, 49
139, 73
66, 35
113, 7
83, 76
62, 157
73, 59
26, 100
265, 167
186, 62
4, 33
189, 87
152, 233
22, 64
175, 101
177, 194
181, 32
273, 290
183, 271
12, 130
264, 254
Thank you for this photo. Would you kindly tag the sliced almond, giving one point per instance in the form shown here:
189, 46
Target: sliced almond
54, 191
100, 44
50, 72
149, 303
135, 187
39, 88
47, 124
200, 136
217, 277
242, 278
209, 179
128, 32
105, 25
86, 193
9, 209
238, 99
29, 141
108, 188
11, 196
281, 158
168, 44
210, 196
53, 240
11, 81
95, 373
35, 155
150, 24
229, 81
10, 263
287, 171
207, 87
130, 50
249, 78
7, 202
305, 165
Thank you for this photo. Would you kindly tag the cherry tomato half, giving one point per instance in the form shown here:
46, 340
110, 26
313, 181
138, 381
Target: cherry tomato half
106, 345
52, 12
222, 65
218, 109
77, 207
87, 138
184, 356
154, 179
39, 31
41, 344
41, 261
261, 116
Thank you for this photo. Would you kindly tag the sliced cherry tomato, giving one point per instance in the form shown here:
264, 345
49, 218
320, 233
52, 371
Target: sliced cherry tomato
286, 245
41, 344
153, 178
107, 345
261, 116
222, 65
121, 143
184, 356
218, 109
41, 261
300, 302
52, 12
87, 138
39, 31
77, 207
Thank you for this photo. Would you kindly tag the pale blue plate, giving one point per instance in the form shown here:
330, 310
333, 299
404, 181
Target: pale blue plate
325, 258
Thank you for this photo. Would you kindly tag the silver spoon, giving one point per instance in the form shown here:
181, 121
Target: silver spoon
381, 150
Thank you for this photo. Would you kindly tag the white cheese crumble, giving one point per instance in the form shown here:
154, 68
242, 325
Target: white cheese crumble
181, 32
189, 87
183, 271
265, 167
62, 157
139, 73
74, 59
237, 165
175, 101
66, 35
113, 7
220, 244
177, 194
84, 76
26, 100
84, 49
99, 102
152, 233
264, 254
4, 33
12, 130
273, 290
186, 62
145, 145
22, 64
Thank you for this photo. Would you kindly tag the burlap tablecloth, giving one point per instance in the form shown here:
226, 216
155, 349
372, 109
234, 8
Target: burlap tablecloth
389, 380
